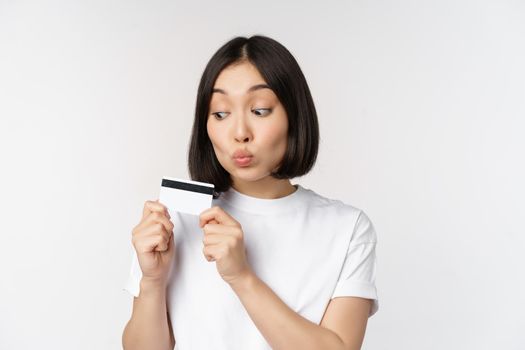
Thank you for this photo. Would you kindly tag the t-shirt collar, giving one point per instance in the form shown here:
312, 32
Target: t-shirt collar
256, 205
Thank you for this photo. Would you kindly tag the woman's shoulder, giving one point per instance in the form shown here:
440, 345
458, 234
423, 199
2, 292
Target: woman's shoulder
363, 228
328, 203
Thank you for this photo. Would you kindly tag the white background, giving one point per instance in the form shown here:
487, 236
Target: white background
421, 107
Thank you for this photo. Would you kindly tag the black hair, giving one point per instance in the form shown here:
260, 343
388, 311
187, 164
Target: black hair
283, 75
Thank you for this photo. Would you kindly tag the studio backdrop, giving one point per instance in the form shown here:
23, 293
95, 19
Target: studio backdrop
421, 111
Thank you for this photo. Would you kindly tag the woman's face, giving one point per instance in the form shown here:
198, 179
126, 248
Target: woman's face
245, 114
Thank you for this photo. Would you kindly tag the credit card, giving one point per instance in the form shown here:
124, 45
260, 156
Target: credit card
185, 196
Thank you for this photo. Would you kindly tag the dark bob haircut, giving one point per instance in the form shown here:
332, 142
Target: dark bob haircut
283, 75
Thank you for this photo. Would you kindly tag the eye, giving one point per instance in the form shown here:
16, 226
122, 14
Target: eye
217, 115
266, 110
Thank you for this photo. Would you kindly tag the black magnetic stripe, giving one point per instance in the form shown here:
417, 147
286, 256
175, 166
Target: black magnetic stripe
187, 186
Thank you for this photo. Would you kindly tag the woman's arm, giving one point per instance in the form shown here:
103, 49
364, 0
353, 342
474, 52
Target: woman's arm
149, 326
285, 329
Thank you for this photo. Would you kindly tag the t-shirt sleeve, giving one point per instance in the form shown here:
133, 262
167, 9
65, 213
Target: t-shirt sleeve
357, 276
132, 284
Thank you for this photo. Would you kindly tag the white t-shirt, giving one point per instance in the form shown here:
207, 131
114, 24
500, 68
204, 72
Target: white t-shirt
307, 248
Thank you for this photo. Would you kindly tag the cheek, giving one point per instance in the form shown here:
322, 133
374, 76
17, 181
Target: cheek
214, 136
213, 133
276, 137
281, 128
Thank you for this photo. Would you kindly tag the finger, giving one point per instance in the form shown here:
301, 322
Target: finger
216, 239
156, 217
166, 244
151, 243
171, 243
219, 215
214, 229
153, 206
161, 243
210, 252
162, 246
152, 219
152, 230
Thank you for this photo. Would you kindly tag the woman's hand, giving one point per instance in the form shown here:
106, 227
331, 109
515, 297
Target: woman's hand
154, 243
224, 243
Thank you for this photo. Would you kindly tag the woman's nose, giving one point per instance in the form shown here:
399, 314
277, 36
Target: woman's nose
242, 130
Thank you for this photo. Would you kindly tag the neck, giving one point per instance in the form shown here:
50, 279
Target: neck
265, 189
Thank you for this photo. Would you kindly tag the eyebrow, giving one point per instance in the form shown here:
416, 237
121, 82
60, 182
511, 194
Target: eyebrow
253, 88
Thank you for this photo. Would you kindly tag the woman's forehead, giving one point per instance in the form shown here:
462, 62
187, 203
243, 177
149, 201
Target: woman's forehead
256, 90
240, 75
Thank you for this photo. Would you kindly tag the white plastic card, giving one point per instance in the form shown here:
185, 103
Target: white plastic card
185, 196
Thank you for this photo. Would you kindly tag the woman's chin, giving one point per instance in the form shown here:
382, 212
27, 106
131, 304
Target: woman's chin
248, 174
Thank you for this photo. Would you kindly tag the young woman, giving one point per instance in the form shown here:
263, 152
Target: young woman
271, 264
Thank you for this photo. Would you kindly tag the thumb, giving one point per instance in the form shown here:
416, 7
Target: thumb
171, 243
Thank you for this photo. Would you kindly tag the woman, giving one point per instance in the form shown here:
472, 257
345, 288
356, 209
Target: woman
270, 264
